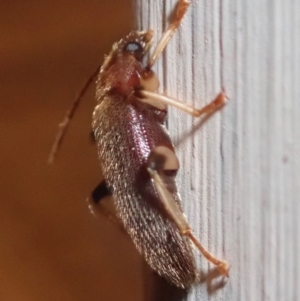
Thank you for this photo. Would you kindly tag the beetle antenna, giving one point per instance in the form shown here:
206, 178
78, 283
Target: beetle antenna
63, 126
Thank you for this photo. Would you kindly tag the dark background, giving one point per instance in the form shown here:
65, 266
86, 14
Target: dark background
51, 247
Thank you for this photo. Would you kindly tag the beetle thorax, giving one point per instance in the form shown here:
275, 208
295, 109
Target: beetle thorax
125, 75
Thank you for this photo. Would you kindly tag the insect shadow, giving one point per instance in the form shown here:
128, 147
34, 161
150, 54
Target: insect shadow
156, 288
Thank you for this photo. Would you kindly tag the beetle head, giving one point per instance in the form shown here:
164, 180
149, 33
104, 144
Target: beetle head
136, 43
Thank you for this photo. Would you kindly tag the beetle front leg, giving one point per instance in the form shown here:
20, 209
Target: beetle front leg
181, 10
160, 160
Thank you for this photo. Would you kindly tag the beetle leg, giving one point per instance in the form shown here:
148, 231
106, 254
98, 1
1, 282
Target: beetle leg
98, 194
182, 7
157, 100
160, 159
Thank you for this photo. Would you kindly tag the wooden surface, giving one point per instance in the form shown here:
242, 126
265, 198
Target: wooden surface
240, 176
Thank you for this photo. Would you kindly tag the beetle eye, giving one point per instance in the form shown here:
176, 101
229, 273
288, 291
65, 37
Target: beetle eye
135, 48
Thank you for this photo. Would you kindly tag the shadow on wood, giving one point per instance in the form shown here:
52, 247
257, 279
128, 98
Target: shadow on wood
156, 288
213, 280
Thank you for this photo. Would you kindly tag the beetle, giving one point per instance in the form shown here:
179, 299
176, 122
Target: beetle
138, 158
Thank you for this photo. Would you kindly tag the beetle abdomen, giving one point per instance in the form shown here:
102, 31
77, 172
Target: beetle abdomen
126, 134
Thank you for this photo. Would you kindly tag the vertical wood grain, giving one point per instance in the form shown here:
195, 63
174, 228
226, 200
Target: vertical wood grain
240, 169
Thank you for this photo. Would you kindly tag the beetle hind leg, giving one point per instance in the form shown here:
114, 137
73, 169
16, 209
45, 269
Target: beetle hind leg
221, 265
96, 206
161, 159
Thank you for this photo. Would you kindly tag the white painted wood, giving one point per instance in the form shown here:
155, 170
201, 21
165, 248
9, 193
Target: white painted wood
240, 176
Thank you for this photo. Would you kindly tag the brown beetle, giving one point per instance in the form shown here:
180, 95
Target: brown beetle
138, 158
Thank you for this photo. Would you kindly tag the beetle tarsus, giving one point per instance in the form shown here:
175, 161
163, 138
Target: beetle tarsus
221, 265
213, 106
223, 268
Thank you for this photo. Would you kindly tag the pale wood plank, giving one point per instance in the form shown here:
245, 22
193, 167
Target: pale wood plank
240, 176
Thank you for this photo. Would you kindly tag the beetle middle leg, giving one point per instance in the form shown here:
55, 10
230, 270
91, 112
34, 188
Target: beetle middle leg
160, 160
100, 192
154, 99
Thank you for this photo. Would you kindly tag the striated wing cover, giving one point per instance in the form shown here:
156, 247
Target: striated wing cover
126, 131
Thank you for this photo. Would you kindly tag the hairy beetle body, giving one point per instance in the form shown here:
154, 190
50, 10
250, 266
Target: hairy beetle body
126, 134
138, 158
